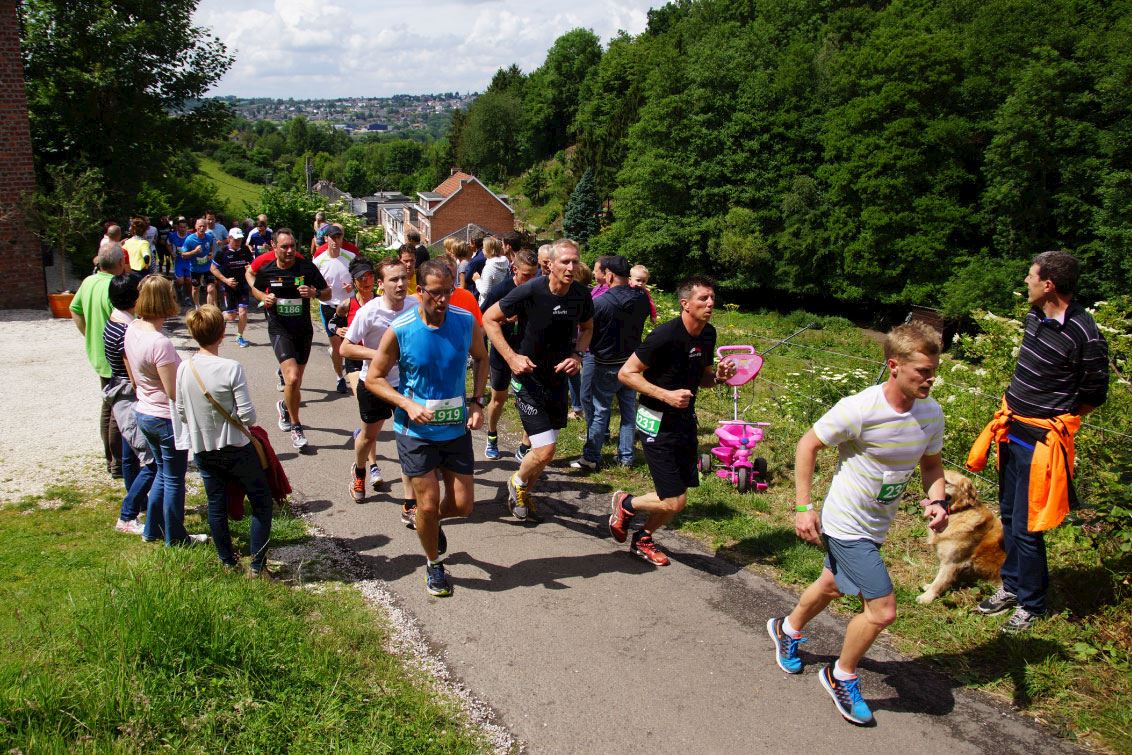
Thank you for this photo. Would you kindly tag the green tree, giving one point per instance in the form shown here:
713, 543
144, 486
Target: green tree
118, 85
66, 213
553, 91
581, 221
491, 142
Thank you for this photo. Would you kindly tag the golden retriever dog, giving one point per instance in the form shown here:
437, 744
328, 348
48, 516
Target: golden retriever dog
971, 546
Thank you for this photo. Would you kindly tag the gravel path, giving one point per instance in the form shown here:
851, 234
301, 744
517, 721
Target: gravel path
49, 420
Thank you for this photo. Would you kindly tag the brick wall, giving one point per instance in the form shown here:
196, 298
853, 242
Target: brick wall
21, 265
472, 204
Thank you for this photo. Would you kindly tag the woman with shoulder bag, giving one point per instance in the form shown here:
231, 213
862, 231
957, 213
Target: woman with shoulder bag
214, 402
151, 361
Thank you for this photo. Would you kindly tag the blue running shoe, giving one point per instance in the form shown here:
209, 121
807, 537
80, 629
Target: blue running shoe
846, 696
242, 342
785, 647
436, 581
491, 450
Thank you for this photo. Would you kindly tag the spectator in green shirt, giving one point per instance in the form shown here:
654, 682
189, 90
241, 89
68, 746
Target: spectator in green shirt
90, 309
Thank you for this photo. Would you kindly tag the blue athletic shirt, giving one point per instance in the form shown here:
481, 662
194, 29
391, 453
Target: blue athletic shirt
433, 365
202, 263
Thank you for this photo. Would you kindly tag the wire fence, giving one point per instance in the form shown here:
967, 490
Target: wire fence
825, 403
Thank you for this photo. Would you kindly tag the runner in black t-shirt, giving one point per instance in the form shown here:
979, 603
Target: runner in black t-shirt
666, 370
286, 285
556, 316
524, 265
229, 267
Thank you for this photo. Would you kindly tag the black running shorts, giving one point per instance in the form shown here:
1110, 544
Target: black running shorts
288, 345
370, 407
541, 408
420, 457
672, 459
203, 280
499, 377
237, 297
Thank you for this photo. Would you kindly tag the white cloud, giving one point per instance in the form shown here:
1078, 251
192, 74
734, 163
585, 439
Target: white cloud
343, 48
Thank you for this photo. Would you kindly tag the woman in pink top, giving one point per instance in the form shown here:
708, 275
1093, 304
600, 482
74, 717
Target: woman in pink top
153, 361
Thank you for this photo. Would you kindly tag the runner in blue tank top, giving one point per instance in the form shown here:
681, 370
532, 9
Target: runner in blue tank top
433, 418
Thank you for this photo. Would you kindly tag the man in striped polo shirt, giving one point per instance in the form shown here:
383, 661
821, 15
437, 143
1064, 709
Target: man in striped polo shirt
881, 434
1061, 375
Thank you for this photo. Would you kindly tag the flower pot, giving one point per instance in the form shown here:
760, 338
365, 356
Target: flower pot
60, 304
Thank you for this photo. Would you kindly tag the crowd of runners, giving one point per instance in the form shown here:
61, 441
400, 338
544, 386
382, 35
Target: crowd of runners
408, 334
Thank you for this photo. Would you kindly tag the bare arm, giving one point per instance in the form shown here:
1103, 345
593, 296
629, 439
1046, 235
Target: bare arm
632, 374
931, 472
388, 354
479, 379
79, 321
806, 524
493, 321
352, 350
168, 375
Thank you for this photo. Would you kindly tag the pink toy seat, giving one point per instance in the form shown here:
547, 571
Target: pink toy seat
747, 363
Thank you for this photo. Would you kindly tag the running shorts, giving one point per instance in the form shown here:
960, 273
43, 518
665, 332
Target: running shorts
857, 567
182, 268
326, 313
672, 457
288, 345
541, 408
202, 280
236, 298
370, 407
420, 457
499, 377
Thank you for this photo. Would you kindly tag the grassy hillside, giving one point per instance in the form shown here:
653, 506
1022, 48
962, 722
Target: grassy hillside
236, 193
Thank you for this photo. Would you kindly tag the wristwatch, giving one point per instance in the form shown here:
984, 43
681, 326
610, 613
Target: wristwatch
945, 503
580, 354
477, 400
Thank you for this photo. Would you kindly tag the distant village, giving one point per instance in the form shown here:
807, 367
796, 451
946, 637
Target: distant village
401, 112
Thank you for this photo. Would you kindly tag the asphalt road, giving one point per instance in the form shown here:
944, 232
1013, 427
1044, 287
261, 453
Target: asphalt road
580, 647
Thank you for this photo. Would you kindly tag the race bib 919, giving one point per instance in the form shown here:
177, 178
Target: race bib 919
447, 411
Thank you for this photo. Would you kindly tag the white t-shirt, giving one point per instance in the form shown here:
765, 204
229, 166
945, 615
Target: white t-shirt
370, 324
879, 449
336, 271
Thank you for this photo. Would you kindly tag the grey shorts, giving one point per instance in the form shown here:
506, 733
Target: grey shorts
419, 456
857, 567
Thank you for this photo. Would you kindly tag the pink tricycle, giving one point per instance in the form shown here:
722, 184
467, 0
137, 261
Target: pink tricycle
737, 439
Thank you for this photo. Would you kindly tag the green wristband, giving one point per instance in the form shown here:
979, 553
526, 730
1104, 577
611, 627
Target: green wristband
806, 507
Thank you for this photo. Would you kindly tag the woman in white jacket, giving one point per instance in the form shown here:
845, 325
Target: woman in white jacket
221, 450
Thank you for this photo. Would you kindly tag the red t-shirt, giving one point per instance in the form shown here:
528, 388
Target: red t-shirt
465, 299
349, 247
266, 257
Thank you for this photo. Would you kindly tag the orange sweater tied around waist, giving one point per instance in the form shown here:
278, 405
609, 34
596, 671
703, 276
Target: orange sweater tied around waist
1051, 466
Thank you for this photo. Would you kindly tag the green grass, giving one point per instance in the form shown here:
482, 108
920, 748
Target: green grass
1073, 670
114, 644
234, 192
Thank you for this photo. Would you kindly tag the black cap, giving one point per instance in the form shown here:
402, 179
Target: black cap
616, 264
358, 268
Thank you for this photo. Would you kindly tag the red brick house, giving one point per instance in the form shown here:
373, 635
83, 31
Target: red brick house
460, 200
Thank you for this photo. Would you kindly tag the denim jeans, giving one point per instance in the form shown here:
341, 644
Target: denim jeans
587, 389
240, 465
139, 479
1025, 571
165, 509
575, 382
604, 386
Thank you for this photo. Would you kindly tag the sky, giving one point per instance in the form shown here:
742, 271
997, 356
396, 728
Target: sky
377, 48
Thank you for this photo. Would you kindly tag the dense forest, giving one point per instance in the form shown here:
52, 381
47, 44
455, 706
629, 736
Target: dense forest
269, 152
918, 151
